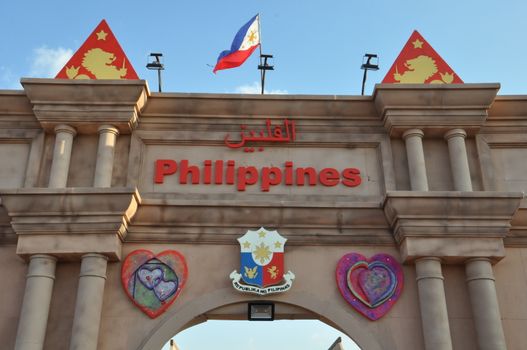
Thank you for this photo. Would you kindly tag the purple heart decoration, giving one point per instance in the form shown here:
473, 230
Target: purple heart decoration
165, 289
150, 278
370, 286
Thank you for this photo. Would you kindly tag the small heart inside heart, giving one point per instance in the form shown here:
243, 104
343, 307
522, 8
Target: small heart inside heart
372, 283
165, 289
377, 283
150, 278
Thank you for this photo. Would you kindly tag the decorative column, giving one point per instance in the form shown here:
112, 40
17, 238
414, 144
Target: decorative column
479, 274
88, 307
416, 159
60, 164
484, 301
105, 152
37, 298
432, 302
412, 110
458, 159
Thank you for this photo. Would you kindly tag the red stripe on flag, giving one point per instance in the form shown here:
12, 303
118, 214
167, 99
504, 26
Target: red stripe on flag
235, 59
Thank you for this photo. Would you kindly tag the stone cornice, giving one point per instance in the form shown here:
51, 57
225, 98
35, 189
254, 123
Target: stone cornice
87, 104
309, 220
451, 225
434, 108
70, 222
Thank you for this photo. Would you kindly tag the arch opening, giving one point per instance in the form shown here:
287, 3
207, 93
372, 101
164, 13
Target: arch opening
224, 305
279, 334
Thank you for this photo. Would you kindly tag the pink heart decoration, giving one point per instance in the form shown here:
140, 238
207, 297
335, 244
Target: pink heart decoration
153, 282
370, 286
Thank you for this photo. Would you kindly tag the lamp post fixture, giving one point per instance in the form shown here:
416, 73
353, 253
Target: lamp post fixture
368, 64
156, 65
263, 67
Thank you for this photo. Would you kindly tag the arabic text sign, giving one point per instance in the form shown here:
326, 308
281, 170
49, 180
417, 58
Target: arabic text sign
271, 133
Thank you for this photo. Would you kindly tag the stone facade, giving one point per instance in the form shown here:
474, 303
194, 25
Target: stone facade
443, 175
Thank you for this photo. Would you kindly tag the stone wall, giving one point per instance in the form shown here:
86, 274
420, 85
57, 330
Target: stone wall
77, 187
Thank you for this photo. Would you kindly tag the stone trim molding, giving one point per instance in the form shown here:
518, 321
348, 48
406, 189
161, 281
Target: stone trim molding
70, 222
435, 109
87, 104
451, 225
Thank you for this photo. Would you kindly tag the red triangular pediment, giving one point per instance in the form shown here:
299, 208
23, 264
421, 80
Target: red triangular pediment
100, 57
419, 63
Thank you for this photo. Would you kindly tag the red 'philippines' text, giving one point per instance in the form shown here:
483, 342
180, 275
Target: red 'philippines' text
221, 172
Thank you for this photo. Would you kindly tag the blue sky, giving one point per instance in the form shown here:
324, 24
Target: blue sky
318, 45
245, 335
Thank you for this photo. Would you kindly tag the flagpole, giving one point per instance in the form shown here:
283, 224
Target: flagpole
260, 47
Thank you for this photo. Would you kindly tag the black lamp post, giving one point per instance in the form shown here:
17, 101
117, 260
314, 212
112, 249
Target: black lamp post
156, 65
370, 61
263, 67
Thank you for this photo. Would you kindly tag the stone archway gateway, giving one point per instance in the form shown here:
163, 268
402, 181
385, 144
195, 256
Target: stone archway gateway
96, 171
195, 313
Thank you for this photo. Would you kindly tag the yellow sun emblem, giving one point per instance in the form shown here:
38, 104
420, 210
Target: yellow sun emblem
252, 37
262, 253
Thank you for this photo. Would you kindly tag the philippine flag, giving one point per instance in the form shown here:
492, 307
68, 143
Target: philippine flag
245, 42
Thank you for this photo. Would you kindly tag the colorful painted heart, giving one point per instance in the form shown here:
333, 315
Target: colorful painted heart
371, 286
152, 281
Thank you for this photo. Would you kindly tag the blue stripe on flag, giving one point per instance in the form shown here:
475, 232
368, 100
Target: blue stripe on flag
238, 39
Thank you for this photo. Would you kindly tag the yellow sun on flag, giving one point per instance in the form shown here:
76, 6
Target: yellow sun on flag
253, 36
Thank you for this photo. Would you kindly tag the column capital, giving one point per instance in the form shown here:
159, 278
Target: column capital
93, 265
413, 132
428, 268
94, 255
65, 128
478, 259
42, 265
478, 269
42, 256
429, 258
106, 128
455, 133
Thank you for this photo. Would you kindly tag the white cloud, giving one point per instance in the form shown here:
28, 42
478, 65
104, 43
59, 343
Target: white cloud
47, 62
255, 88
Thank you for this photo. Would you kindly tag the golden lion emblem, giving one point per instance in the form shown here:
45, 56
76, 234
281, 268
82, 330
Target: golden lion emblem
273, 271
419, 70
99, 63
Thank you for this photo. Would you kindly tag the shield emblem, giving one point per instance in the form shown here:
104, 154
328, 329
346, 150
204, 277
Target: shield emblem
262, 257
